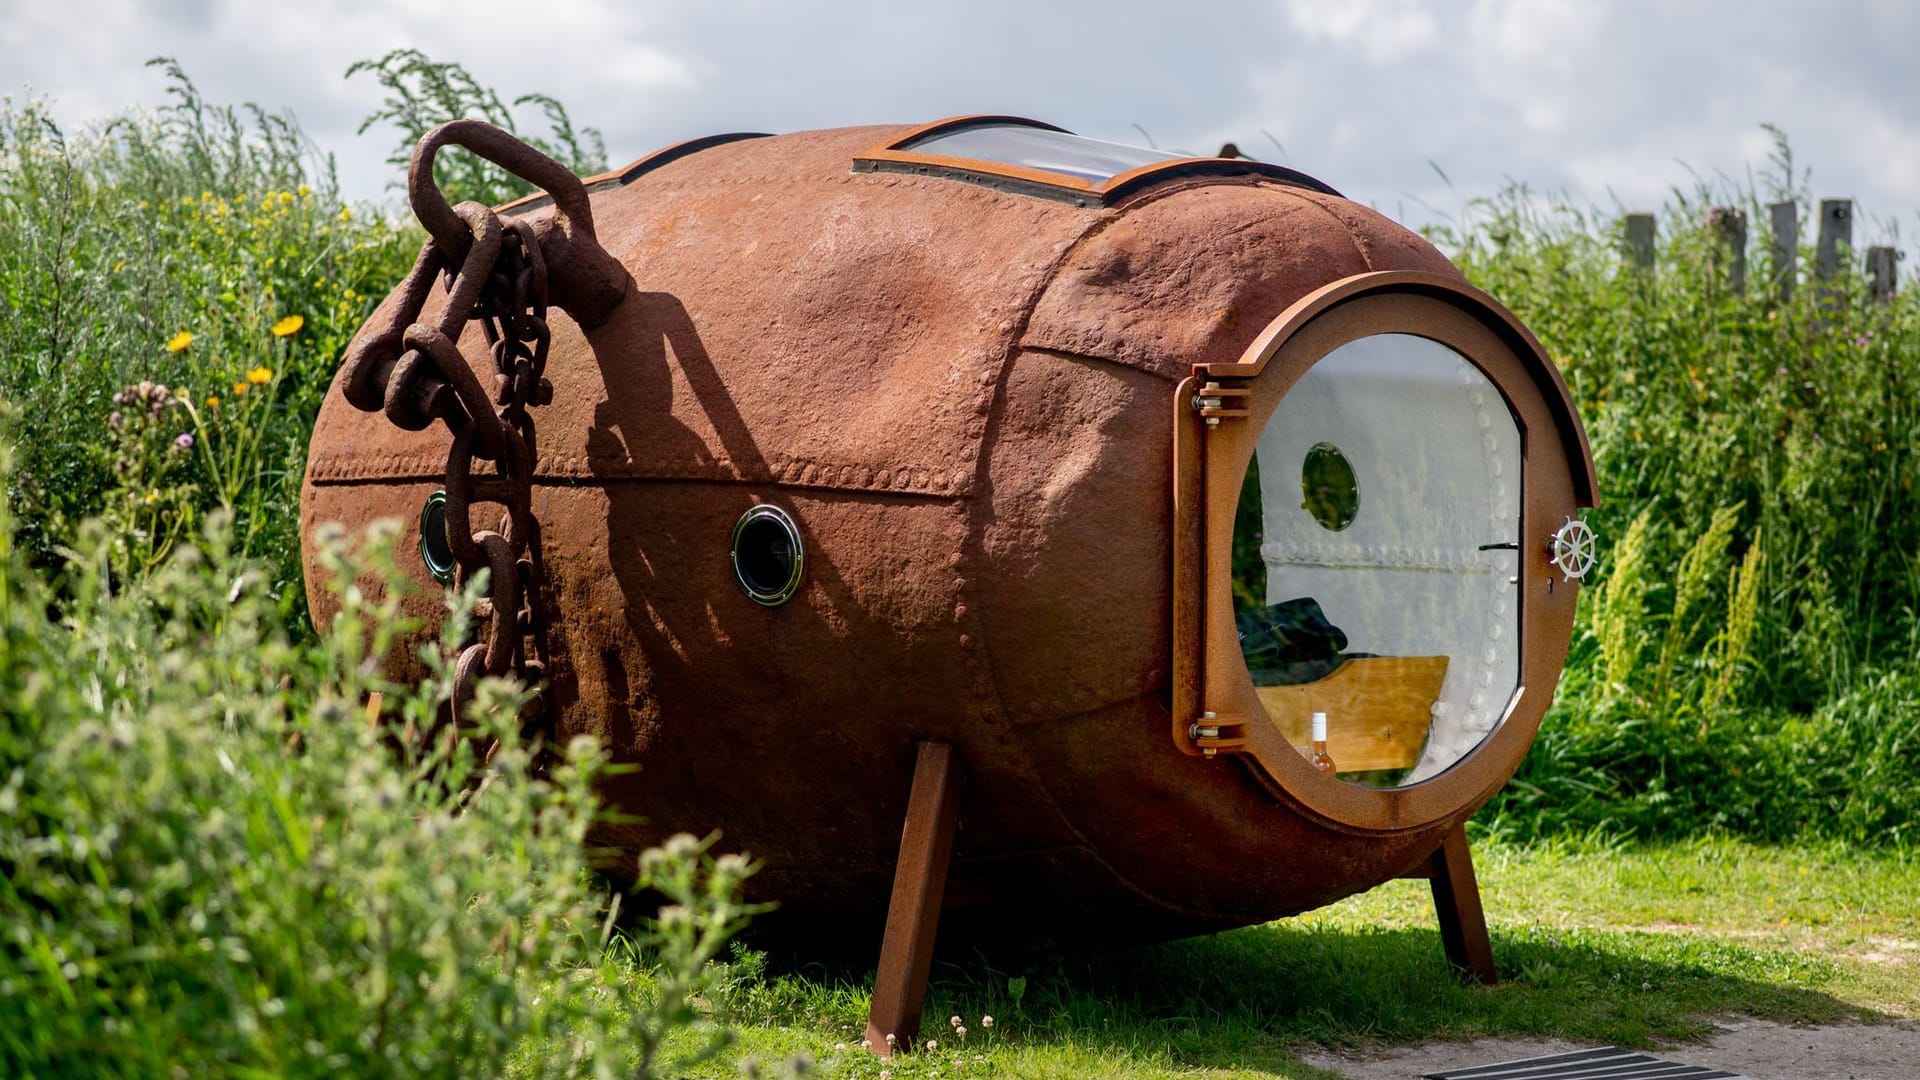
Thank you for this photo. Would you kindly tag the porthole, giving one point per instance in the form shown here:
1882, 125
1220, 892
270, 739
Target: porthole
1327, 482
768, 558
435, 551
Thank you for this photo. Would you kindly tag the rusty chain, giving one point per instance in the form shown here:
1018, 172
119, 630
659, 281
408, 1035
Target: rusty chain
414, 372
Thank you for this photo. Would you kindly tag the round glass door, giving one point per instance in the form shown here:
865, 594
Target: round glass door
1376, 560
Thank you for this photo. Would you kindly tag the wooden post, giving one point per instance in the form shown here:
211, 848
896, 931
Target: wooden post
1640, 240
1836, 233
919, 885
1881, 273
1730, 224
1456, 900
1785, 217
1835, 242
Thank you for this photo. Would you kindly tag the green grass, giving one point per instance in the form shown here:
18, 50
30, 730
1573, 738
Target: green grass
1596, 941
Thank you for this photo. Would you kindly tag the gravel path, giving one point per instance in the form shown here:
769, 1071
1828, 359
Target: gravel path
1756, 1049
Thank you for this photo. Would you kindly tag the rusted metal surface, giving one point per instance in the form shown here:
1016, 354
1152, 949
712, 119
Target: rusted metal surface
965, 399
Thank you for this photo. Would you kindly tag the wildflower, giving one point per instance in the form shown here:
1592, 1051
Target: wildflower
891, 1041
953, 1021
260, 376
961, 1030
152, 497
183, 441
304, 191
113, 418
289, 325
213, 401
345, 214
932, 1045
286, 198
119, 397
179, 341
986, 1022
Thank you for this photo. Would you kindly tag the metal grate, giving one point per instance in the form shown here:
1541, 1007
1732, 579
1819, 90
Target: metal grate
1606, 1063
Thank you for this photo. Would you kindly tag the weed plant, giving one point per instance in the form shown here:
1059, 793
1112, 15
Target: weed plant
213, 863
1746, 656
422, 92
201, 248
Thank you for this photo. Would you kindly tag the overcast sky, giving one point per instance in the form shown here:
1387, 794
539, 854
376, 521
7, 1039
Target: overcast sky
1607, 102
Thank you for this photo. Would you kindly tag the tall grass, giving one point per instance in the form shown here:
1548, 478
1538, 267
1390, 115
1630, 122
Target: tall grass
213, 863
1745, 658
198, 247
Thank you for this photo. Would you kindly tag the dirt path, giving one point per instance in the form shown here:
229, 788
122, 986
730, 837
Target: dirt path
1756, 1049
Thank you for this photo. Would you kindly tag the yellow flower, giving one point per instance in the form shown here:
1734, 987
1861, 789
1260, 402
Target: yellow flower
239, 388
259, 376
290, 324
179, 341
345, 214
213, 400
304, 191
286, 198
152, 497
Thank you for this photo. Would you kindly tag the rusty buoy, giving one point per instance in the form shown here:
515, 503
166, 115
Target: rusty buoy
1026, 492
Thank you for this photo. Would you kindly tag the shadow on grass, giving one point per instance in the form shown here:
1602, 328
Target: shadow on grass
1250, 998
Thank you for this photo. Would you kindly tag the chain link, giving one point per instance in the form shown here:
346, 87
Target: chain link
496, 273
501, 282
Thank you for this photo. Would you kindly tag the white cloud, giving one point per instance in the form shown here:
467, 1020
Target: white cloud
1590, 98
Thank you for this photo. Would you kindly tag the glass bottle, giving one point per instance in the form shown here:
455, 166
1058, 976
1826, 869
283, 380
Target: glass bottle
1319, 759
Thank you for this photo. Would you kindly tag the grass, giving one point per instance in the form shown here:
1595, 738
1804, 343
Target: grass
1597, 941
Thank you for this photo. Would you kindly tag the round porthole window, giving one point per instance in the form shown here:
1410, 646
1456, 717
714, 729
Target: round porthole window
1327, 481
768, 558
435, 551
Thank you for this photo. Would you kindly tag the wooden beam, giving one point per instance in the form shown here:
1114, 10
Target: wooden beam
1730, 226
1881, 272
1456, 900
1640, 240
1785, 217
919, 886
1836, 236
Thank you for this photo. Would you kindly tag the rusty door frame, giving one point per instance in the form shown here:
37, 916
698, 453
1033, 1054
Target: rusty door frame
1219, 414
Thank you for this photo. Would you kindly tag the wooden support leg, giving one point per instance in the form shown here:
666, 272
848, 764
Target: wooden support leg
1456, 900
919, 884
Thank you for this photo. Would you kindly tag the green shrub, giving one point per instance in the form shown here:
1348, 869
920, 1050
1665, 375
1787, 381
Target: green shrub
1716, 680
200, 247
211, 863
423, 92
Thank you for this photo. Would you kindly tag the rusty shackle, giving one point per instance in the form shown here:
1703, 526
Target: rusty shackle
587, 282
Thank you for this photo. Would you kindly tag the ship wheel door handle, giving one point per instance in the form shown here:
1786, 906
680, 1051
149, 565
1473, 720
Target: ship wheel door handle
1572, 549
